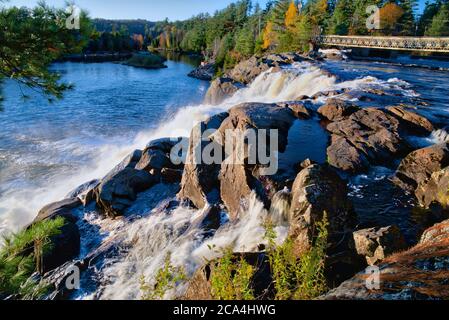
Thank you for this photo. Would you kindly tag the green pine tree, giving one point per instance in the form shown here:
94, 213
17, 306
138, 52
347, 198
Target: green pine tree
407, 23
440, 23
31, 39
341, 19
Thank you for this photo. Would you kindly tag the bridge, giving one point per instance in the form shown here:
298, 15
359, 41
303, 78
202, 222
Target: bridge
429, 44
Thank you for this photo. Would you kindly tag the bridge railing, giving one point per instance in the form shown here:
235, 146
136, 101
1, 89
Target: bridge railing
431, 44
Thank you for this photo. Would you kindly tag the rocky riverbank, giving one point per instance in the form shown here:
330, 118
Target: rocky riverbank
359, 138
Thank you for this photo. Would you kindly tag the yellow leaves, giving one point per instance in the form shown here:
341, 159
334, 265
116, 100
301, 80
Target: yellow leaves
269, 36
390, 13
291, 16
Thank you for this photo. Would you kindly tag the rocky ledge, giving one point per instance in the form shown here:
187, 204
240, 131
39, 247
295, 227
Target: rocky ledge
415, 274
245, 72
204, 72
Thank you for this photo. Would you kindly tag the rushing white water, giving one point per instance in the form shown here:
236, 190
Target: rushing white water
178, 233
146, 241
439, 136
18, 208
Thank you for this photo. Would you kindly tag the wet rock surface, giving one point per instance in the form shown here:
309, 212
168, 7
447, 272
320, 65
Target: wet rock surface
239, 178
418, 167
246, 71
220, 89
204, 72
417, 274
375, 244
368, 136
316, 192
66, 245
200, 182
337, 109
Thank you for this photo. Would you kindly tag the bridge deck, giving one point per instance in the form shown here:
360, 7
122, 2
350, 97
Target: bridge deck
429, 44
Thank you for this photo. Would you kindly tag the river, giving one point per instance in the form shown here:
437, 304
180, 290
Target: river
46, 150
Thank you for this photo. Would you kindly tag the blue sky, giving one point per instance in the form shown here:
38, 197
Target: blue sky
153, 10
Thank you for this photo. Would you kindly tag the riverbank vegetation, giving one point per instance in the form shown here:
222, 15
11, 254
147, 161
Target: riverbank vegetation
21, 255
146, 61
233, 276
31, 39
243, 29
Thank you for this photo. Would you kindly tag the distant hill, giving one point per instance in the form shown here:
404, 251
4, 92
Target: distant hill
133, 26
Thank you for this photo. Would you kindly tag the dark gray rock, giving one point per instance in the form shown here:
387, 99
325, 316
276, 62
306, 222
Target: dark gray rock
119, 190
204, 72
66, 245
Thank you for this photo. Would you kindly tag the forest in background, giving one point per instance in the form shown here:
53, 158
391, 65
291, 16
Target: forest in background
244, 28
33, 38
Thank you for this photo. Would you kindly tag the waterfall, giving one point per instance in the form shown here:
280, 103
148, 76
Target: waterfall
145, 240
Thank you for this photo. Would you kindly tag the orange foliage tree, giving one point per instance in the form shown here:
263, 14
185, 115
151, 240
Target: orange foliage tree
269, 36
138, 41
390, 14
291, 16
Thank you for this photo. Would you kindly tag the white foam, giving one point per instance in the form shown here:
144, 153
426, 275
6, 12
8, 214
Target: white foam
177, 232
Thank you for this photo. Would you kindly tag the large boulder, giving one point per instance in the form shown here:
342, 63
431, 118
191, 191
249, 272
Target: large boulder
119, 190
156, 155
239, 177
85, 192
248, 116
418, 167
412, 122
66, 245
420, 273
130, 161
318, 190
153, 159
220, 89
62, 208
342, 154
375, 244
435, 191
337, 109
367, 136
199, 182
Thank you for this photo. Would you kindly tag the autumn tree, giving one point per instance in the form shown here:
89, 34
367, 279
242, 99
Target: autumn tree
390, 14
269, 36
138, 41
291, 16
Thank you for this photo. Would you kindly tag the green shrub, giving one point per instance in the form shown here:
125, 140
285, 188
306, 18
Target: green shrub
294, 278
21, 255
149, 61
230, 279
166, 279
